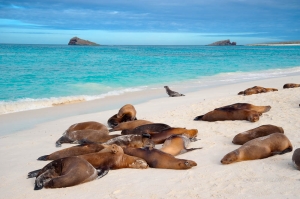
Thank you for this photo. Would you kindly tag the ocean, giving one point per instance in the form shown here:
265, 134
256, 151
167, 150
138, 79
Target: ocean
38, 76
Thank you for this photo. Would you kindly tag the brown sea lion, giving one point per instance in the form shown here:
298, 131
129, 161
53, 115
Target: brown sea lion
65, 172
158, 159
230, 114
172, 93
146, 128
177, 144
160, 137
116, 159
253, 90
260, 131
129, 125
123, 141
296, 158
260, 109
80, 132
291, 85
125, 114
258, 148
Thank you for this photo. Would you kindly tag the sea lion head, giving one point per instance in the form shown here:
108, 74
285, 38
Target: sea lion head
113, 121
191, 133
230, 157
147, 142
186, 164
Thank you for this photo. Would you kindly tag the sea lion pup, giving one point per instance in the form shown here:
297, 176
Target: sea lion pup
123, 141
116, 159
291, 85
160, 137
129, 125
177, 144
260, 131
296, 158
125, 114
158, 159
147, 128
253, 90
65, 172
172, 93
260, 109
70, 137
229, 114
258, 148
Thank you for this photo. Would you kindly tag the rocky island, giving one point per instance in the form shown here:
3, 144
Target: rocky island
81, 42
223, 43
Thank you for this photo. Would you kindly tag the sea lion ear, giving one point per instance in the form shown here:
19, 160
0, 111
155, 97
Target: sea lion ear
146, 135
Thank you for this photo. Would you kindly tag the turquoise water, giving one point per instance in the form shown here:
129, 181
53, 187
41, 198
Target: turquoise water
35, 76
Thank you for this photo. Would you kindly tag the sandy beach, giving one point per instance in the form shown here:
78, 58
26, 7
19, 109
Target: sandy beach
27, 135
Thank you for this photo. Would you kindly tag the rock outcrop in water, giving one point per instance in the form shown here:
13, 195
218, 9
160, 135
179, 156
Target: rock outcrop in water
82, 42
223, 43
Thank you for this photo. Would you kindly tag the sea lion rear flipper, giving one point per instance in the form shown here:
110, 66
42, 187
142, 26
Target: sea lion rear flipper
33, 174
44, 157
102, 172
192, 149
198, 117
282, 152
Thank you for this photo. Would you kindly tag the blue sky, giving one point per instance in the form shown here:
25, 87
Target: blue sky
141, 22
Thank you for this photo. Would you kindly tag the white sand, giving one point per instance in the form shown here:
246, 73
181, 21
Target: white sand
274, 177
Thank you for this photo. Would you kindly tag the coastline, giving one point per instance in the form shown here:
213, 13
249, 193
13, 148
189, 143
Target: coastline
39, 129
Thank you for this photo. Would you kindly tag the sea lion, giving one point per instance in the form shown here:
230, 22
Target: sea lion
158, 159
260, 109
125, 114
258, 148
85, 136
65, 172
229, 114
296, 158
260, 131
80, 132
129, 125
114, 121
172, 93
116, 159
252, 90
291, 85
123, 141
160, 137
177, 144
146, 128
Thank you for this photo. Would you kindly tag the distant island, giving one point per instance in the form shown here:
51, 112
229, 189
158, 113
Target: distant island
223, 43
282, 43
82, 42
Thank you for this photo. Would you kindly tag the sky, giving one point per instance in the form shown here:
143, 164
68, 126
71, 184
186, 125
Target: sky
151, 22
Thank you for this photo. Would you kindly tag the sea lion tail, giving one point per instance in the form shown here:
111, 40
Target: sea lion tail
33, 174
198, 117
44, 157
102, 172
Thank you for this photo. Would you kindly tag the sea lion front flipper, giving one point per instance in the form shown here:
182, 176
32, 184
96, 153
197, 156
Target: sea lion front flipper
102, 172
33, 174
198, 117
44, 157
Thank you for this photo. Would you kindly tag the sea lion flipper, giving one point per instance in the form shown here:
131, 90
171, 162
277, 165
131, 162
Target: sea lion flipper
33, 174
191, 149
198, 117
44, 157
102, 172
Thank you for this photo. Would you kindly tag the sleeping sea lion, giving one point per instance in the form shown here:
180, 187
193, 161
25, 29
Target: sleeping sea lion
123, 141
125, 114
116, 159
291, 85
172, 93
260, 109
258, 148
129, 125
252, 90
85, 136
260, 131
230, 114
147, 128
176, 145
296, 158
158, 159
160, 137
65, 172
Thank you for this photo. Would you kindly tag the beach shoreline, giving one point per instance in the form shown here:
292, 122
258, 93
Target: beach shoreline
33, 134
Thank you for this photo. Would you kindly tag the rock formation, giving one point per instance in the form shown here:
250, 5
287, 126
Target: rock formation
78, 41
223, 43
